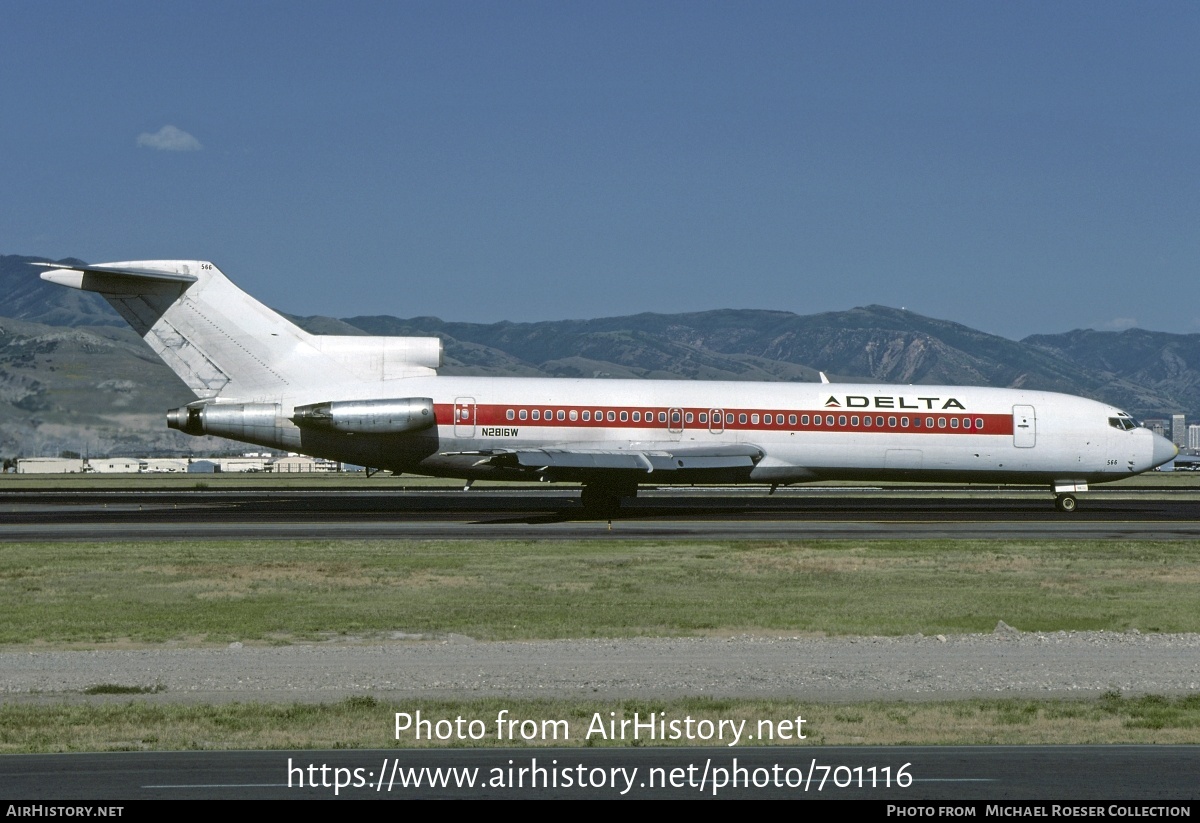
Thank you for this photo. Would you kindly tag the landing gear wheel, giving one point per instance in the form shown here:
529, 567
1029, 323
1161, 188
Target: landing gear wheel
1065, 503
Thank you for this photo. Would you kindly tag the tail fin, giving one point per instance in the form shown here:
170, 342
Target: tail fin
225, 344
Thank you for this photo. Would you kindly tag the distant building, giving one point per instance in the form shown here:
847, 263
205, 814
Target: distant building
1156, 425
1193, 443
114, 465
302, 463
241, 464
163, 465
49, 465
1179, 430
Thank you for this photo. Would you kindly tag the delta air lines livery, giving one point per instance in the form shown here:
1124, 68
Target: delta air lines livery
378, 402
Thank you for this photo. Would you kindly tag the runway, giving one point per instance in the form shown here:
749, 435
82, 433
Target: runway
724, 514
908, 775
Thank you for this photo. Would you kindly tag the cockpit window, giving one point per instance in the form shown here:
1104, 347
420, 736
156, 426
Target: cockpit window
1123, 421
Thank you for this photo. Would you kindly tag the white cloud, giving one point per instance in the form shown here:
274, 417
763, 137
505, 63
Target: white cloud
169, 138
1120, 323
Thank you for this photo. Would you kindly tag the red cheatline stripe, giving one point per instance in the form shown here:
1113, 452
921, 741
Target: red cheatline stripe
841, 421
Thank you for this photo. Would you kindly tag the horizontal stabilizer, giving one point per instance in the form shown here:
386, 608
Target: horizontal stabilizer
110, 278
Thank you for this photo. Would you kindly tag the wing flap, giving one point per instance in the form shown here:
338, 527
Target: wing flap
646, 460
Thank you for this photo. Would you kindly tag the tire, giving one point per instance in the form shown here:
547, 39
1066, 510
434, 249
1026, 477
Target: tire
1065, 503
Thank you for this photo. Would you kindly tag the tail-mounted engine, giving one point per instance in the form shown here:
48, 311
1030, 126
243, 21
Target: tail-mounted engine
399, 416
264, 422
254, 422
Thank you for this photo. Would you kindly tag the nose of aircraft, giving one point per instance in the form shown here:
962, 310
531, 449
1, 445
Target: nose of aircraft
1163, 450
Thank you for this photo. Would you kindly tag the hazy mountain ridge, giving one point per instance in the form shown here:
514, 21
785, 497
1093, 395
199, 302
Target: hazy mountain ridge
29, 297
70, 370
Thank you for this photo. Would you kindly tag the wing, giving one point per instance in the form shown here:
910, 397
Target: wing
648, 458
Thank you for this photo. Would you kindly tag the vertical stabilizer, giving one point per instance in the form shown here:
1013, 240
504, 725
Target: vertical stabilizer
218, 339
227, 346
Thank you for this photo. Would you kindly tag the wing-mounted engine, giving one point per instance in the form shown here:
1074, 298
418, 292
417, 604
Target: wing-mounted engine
403, 415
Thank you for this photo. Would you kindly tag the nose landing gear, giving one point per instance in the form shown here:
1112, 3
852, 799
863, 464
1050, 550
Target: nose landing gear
1064, 494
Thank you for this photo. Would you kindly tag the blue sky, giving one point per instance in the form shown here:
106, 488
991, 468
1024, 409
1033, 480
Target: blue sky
1017, 167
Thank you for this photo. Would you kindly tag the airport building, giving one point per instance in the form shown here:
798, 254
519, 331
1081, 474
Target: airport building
50, 465
254, 462
1156, 425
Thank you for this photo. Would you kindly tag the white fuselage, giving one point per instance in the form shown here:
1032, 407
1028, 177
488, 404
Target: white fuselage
805, 431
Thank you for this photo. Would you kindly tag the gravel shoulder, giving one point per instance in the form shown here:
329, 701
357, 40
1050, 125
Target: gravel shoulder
1006, 663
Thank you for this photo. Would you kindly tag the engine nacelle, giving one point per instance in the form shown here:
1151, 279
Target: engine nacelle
403, 415
254, 422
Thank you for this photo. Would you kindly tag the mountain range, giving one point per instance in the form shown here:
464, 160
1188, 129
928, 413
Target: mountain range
74, 377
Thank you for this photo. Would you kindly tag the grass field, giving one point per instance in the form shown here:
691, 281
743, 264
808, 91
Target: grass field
82, 595
88, 594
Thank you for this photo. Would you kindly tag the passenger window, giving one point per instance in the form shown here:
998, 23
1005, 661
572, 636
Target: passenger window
742, 418
637, 417
791, 419
688, 417
829, 420
816, 420
941, 422
587, 415
729, 418
624, 417
916, 422
562, 415
879, 421
804, 420
979, 423
954, 422
892, 422
867, 420
841, 419
966, 422
537, 415
904, 422
662, 417
612, 416
549, 414
574, 415
703, 417
754, 419
509, 415
854, 420
929, 422
523, 414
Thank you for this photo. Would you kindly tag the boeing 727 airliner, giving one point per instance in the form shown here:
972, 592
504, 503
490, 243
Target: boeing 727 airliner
378, 401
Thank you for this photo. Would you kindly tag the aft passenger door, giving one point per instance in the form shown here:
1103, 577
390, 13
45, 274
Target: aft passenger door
674, 423
1024, 427
464, 417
